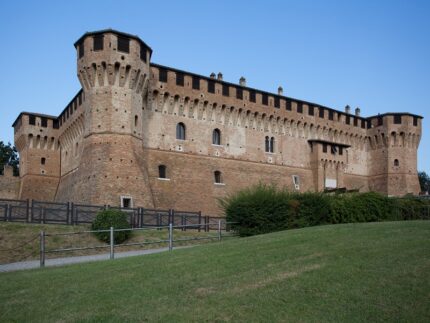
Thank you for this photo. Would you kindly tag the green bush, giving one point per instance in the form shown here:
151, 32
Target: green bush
264, 208
111, 218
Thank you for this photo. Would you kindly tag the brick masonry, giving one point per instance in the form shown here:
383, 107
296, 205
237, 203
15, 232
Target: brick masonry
112, 137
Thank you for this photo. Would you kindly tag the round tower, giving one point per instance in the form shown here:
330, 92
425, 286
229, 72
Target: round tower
113, 69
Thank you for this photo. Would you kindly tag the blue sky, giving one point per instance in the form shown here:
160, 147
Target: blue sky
371, 54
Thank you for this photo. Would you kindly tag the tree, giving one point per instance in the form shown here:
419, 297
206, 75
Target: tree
424, 181
9, 156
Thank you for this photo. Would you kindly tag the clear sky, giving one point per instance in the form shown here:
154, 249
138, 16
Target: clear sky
370, 54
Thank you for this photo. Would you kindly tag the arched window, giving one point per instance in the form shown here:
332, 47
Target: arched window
162, 171
272, 144
396, 162
267, 144
136, 119
216, 137
43, 160
217, 177
180, 131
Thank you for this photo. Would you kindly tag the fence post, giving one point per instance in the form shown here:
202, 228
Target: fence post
200, 220
42, 248
31, 211
42, 210
27, 211
7, 212
170, 236
219, 230
111, 240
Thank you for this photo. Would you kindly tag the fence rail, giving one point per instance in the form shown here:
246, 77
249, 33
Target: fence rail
221, 232
72, 214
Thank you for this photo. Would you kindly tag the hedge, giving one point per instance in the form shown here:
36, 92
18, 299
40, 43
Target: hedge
265, 208
111, 218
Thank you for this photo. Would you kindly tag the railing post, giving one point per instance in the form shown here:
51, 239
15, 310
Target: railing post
7, 212
112, 242
219, 230
200, 220
42, 249
31, 211
27, 211
170, 236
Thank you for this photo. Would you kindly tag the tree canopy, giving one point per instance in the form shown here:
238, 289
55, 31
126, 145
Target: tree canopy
424, 179
9, 156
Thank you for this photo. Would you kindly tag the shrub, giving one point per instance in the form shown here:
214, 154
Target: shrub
111, 218
264, 208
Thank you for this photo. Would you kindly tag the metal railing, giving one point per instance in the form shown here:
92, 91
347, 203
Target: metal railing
222, 231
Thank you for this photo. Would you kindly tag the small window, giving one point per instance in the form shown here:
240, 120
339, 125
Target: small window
397, 119
55, 124
299, 107
239, 94
217, 177
415, 121
80, 99
348, 119
321, 112
126, 202
296, 182
42, 161
333, 149
124, 44
162, 76
288, 105
340, 150
269, 144
252, 96
216, 137
162, 171
396, 162
196, 83
264, 99
81, 49
310, 110
330, 115
355, 122
277, 102
44, 122
363, 123
136, 120
211, 86
324, 148
98, 42
380, 121
32, 120
180, 131
272, 144
179, 79
369, 124
225, 90
143, 53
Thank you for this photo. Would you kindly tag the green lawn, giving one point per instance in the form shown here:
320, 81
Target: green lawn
345, 273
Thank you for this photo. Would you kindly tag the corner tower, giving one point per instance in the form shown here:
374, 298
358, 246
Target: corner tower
113, 69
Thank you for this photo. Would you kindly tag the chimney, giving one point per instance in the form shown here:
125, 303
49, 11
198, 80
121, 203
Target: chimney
242, 81
357, 111
219, 76
212, 76
348, 109
280, 91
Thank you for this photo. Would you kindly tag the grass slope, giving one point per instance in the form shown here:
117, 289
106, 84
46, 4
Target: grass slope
352, 272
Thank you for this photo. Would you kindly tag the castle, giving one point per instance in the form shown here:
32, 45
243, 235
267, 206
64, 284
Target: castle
142, 134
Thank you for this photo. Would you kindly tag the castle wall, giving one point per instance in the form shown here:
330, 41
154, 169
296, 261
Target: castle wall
9, 184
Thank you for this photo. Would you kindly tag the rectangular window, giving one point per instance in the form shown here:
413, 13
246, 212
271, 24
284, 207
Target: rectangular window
239, 94
143, 53
415, 121
277, 102
355, 122
179, 79
252, 96
162, 76
321, 113
98, 42
380, 121
348, 119
397, 119
55, 124
211, 86
363, 123
369, 124
123, 44
288, 105
264, 99
340, 150
225, 90
44, 122
80, 99
81, 49
310, 110
299, 107
324, 148
196, 83
32, 120
330, 115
